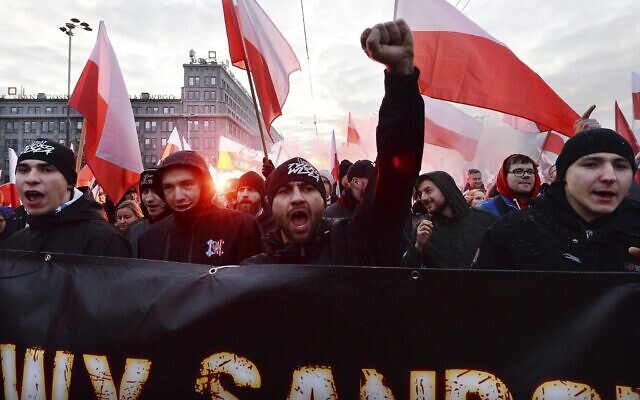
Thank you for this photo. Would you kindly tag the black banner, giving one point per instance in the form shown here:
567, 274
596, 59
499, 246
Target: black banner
105, 328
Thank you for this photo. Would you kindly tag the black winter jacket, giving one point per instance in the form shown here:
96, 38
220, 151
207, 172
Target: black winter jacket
454, 241
343, 207
205, 234
551, 236
79, 228
374, 235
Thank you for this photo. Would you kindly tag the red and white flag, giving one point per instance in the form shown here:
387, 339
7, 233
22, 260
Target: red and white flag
112, 151
335, 165
552, 143
254, 39
635, 94
461, 62
174, 143
447, 126
352, 133
523, 124
9, 192
623, 129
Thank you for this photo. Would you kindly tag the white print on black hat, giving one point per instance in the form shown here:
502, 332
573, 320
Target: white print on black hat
215, 247
303, 168
39, 146
147, 180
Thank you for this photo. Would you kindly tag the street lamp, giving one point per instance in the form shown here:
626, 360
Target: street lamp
67, 29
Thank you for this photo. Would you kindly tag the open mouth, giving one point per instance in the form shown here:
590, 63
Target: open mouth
605, 195
299, 218
33, 196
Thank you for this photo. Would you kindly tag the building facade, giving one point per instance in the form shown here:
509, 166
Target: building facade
212, 104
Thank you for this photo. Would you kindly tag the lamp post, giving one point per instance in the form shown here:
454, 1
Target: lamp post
67, 29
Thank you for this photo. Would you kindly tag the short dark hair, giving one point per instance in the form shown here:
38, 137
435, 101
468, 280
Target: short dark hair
516, 159
473, 171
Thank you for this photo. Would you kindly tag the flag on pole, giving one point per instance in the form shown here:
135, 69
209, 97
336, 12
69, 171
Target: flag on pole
461, 62
352, 133
254, 38
335, 164
447, 126
552, 143
9, 192
635, 94
174, 143
523, 124
112, 150
624, 130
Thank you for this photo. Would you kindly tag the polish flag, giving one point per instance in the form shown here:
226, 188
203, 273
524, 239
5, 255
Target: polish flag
256, 44
635, 94
112, 151
9, 192
335, 165
553, 143
352, 133
174, 143
523, 124
461, 62
623, 129
447, 126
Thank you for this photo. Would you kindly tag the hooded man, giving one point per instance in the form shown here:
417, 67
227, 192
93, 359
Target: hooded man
449, 233
60, 218
517, 184
357, 177
250, 198
374, 235
152, 206
198, 231
584, 221
327, 180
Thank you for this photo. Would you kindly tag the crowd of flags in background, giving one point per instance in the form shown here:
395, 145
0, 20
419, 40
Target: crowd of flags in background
459, 61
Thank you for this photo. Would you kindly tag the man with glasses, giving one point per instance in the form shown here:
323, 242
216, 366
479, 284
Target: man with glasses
517, 183
584, 221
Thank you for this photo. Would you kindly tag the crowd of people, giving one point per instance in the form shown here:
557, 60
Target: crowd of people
380, 213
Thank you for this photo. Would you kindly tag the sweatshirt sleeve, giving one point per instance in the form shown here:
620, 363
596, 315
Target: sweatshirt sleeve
399, 138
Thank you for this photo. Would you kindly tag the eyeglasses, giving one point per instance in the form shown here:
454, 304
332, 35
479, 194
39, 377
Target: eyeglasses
519, 172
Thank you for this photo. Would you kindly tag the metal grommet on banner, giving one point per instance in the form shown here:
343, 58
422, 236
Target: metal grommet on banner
213, 270
47, 257
415, 275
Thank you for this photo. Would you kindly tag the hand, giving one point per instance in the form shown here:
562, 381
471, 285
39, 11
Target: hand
634, 252
267, 167
423, 233
585, 123
391, 44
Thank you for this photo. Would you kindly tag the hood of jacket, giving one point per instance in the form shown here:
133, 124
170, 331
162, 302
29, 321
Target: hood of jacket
503, 187
449, 189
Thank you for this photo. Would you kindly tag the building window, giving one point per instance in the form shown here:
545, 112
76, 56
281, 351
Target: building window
197, 81
27, 127
45, 127
156, 110
138, 126
191, 109
79, 125
165, 110
163, 142
206, 142
206, 126
213, 80
147, 144
194, 143
14, 110
154, 160
62, 126
147, 159
153, 126
191, 81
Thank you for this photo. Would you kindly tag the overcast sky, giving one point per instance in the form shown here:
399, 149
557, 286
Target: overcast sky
584, 49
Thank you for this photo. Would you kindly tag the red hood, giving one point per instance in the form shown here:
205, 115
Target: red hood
504, 189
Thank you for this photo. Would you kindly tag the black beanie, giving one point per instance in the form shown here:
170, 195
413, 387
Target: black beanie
252, 180
295, 169
53, 153
146, 178
600, 140
361, 169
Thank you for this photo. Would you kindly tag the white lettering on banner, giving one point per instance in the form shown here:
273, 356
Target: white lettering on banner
33, 386
372, 386
136, 373
423, 385
243, 371
312, 382
627, 393
561, 389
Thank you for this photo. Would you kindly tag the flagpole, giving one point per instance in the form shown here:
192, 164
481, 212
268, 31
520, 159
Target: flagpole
255, 103
81, 146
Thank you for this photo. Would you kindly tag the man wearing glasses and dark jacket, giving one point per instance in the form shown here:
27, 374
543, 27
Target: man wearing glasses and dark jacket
517, 183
